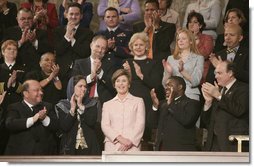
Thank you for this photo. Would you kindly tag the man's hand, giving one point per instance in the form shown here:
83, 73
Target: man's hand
214, 60
211, 90
154, 98
42, 114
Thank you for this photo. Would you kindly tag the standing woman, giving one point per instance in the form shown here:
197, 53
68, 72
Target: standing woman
77, 117
204, 42
145, 75
123, 117
186, 62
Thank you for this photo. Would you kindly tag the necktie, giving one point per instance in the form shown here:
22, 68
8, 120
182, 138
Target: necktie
150, 35
223, 91
111, 34
10, 66
92, 89
231, 51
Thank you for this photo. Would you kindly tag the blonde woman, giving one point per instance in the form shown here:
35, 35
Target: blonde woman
186, 62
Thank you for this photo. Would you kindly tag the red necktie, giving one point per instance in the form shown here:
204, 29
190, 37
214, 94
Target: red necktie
92, 89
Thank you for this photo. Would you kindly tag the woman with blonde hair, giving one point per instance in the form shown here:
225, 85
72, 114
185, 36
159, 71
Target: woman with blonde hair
186, 62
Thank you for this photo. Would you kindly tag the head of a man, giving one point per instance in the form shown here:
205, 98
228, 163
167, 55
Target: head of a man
32, 92
225, 73
25, 18
111, 17
74, 13
98, 46
176, 86
150, 7
232, 35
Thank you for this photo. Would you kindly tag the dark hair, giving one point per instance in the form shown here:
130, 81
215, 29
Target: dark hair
111, 9
77, 78
118, 73
199, 17
180, 81
75, 4
168, 3
43, 1
231, 67
153, 1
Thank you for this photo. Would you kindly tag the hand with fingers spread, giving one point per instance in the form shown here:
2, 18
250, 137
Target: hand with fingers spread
214, 60
167, 66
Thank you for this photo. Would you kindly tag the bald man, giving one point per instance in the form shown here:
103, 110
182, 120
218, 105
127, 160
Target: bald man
32, 123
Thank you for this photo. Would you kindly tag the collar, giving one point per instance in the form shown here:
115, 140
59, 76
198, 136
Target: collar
8, 64
235, 48
128, 96
177, 98
29, 105
228, 86
112, 29
140, 58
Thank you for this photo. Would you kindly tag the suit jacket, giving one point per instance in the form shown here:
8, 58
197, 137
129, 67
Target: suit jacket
104, 85
241, 61
9, 19
122, 39
67, 54
126, 118
229, 116
36, 140
176, 124
28, 55
161, 40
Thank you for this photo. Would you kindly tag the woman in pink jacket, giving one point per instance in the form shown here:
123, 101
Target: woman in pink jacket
123, 117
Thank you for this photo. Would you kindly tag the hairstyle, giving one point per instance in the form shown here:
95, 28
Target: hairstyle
153, 1
239, 14
179, 81
7, 43
236, 27
193, 47
75, 4
111, 9
230, 67
118, 73
25, 86
95, 38
43, 1
45, 54
142, 36
77, 78
199, 17
24, 10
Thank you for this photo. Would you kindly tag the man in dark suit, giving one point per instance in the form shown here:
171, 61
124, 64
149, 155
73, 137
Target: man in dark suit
118, 38
235, 53
176, 118
32, 123
72, 42
162, 33
32, 43
98, 70
226, 111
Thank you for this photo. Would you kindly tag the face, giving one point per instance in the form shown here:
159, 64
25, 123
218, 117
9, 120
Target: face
171, 85
111, 18
183, 41
47, 61
10, 53
98, 48
34, 93
74, 15
222, 76
80, 88
139, 48
150, 8
25, 19
194, 25
232, 37
162, 4
233, 18
122, 84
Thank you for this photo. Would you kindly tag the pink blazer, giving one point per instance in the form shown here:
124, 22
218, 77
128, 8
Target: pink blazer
126, 118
